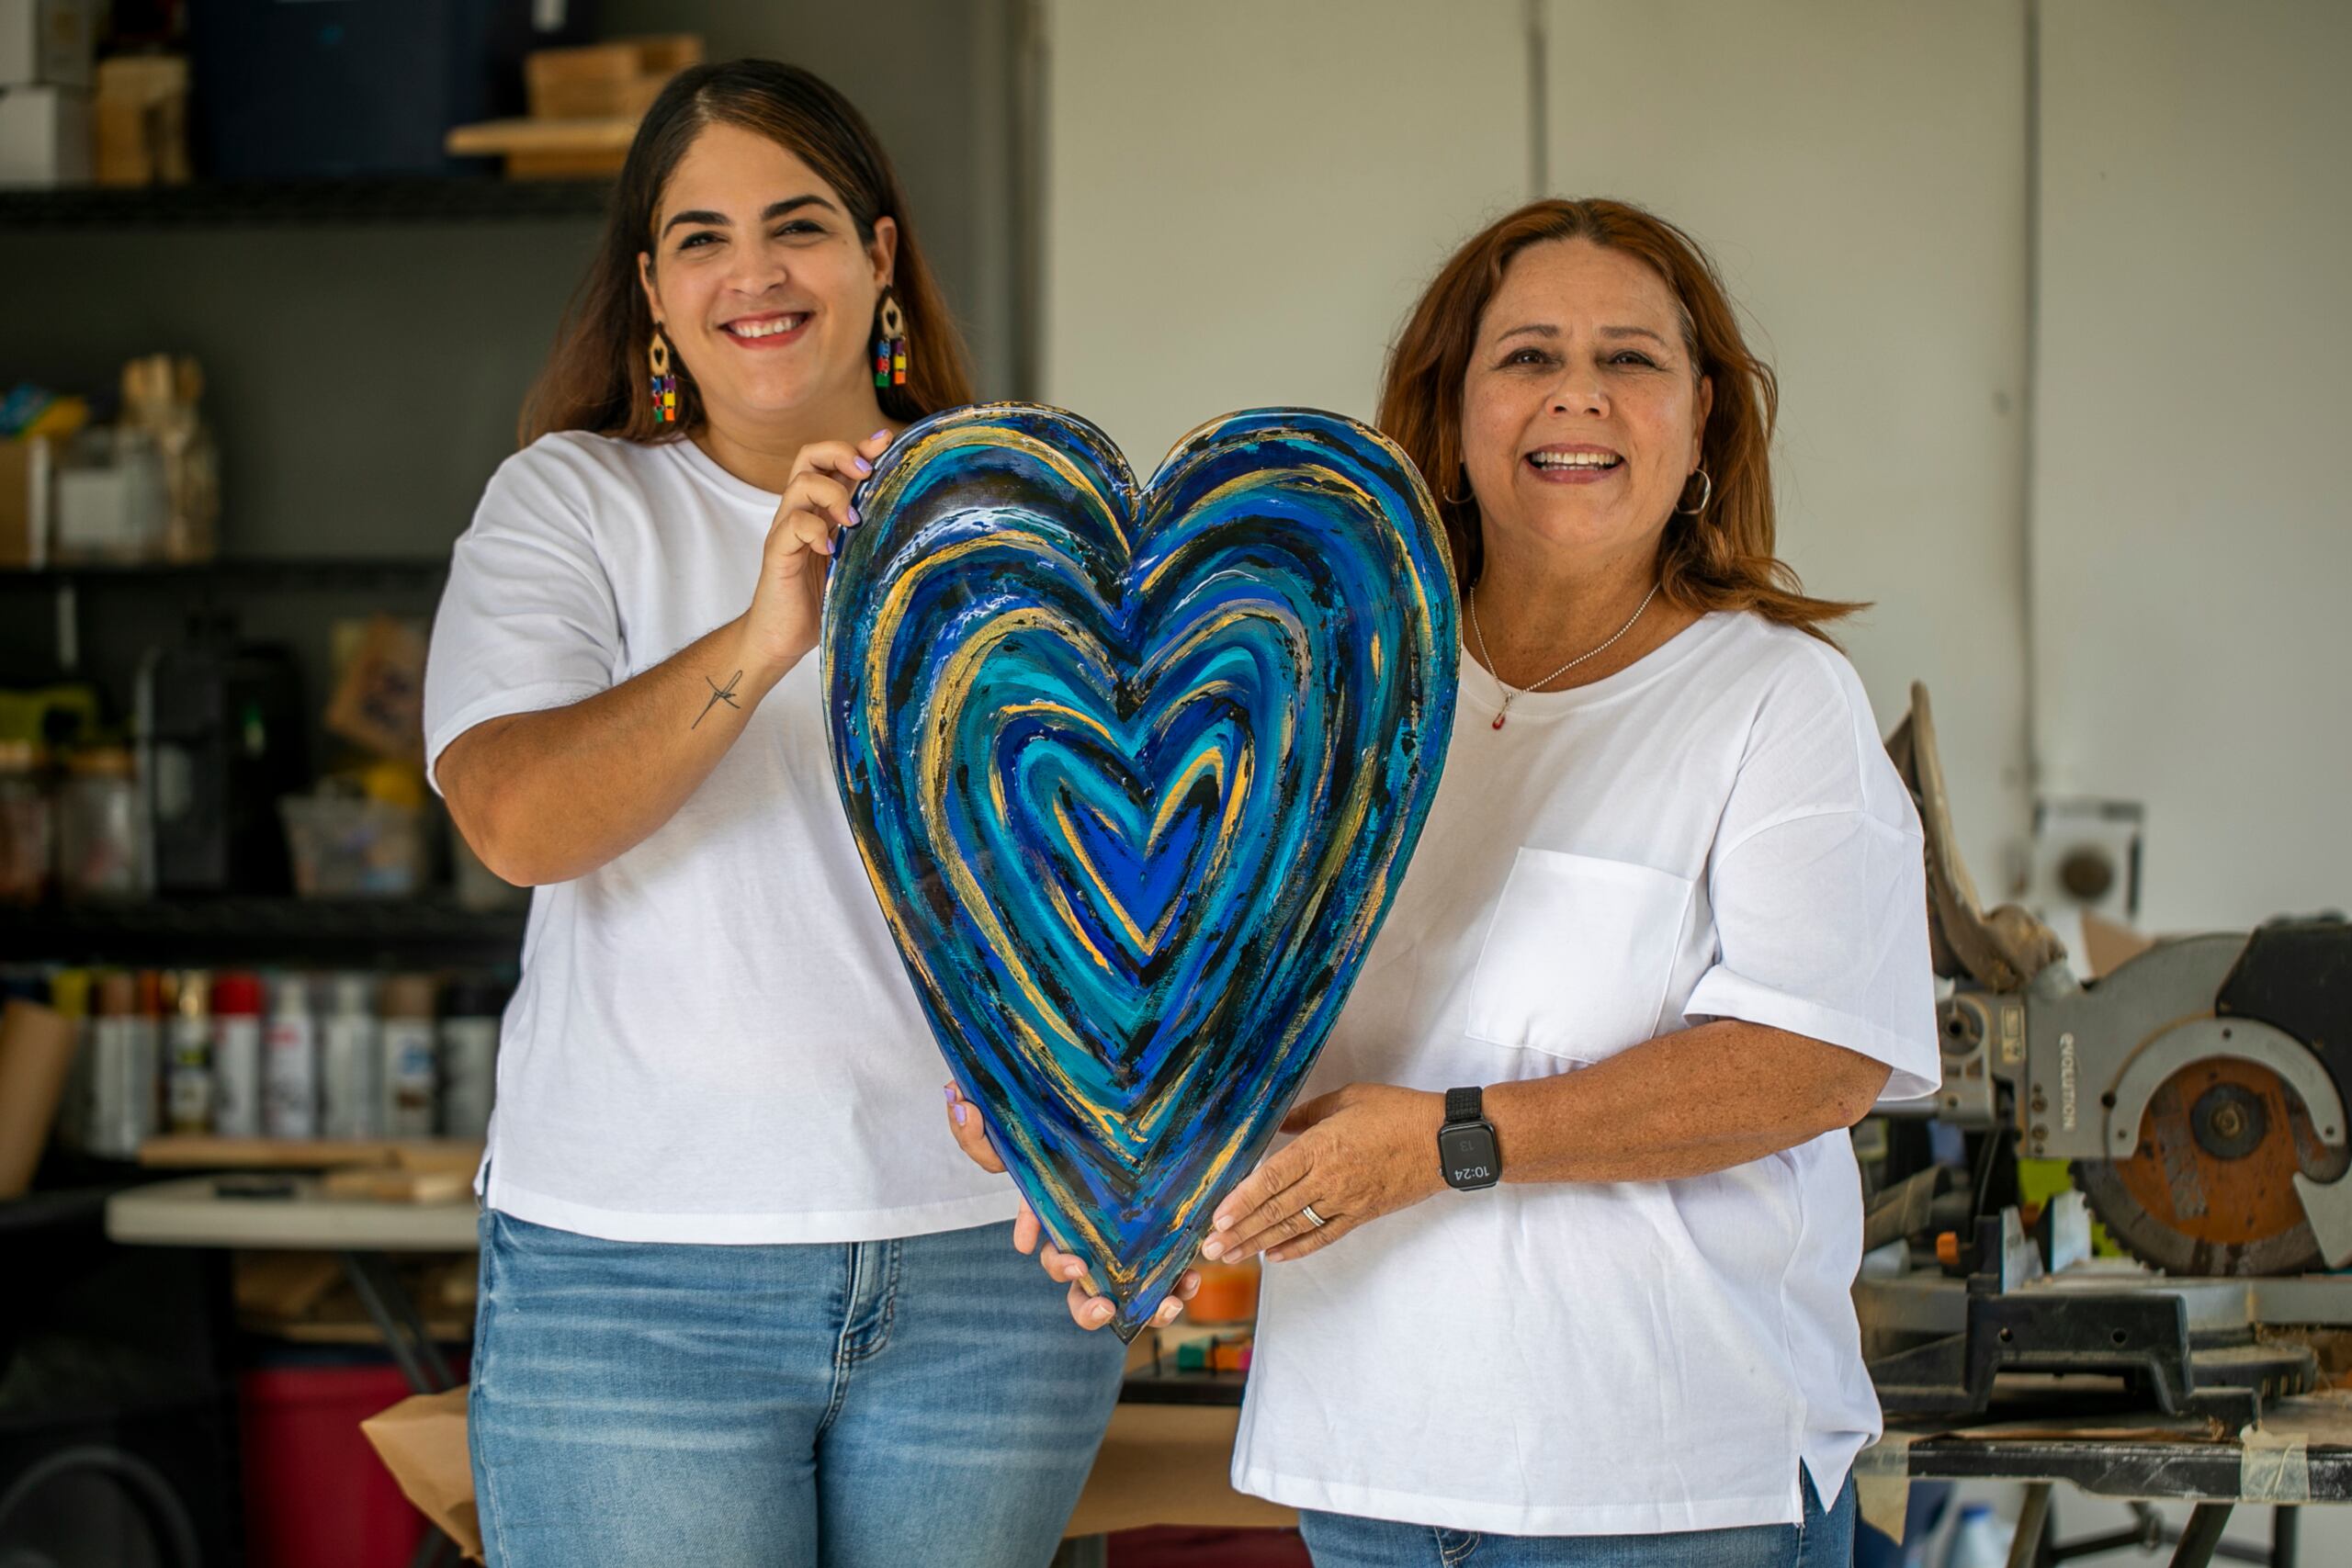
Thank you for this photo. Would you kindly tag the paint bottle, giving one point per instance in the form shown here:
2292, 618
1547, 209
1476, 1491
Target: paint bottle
69, 994
470, 1055
122, 1078
411, 1051
236, 1055
352, 1060
189, 1045
289, 1049
147, 1033
1980, 1539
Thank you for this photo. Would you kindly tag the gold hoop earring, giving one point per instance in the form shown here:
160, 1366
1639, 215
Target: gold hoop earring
1463, 500
665, 386
1706, 494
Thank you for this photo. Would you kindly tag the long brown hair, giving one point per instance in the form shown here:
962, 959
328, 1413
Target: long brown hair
1721, 558
596, 378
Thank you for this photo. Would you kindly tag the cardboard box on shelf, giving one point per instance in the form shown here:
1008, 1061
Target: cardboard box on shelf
47, 42
44, 136
588, 82
23, 501
139, 116
584, 102
605, 81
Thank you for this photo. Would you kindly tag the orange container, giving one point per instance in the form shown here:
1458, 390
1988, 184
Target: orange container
1229, 1293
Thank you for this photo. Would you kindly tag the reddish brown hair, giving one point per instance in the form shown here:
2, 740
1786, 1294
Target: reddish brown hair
1720, 559
596, 378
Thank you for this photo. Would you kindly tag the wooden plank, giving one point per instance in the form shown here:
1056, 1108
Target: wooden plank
392, 1185
188, 1151
494, 137
192, 1211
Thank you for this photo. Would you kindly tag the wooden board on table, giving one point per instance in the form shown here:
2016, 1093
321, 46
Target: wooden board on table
392, 1184
190, 1151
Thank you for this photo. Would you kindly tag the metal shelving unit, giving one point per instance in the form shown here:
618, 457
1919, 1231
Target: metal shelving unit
231, 928
431, 931
239, 204
213, 583
303, 574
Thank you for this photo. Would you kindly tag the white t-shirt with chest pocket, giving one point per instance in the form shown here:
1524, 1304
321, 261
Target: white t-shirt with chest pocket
1713, 832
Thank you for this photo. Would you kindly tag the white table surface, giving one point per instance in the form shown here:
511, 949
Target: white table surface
191, 1213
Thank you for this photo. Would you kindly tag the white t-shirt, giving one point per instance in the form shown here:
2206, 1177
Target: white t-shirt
1711, 832
714, 1040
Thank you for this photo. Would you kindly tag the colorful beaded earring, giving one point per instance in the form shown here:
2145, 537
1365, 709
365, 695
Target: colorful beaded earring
665, 386
890, 344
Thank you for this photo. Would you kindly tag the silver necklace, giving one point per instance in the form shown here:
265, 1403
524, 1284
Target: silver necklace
1512, 694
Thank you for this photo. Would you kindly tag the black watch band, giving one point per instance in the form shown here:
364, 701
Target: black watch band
1468, 1155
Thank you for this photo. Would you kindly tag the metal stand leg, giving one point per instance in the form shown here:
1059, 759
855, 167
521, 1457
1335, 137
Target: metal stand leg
2033, 1523
2283, 1524
394, 1313
395, 1316
2202, 1534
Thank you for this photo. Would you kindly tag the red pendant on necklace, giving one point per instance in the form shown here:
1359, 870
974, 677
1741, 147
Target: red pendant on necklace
1498, 721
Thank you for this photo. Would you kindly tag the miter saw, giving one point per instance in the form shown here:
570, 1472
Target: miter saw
2200, 1090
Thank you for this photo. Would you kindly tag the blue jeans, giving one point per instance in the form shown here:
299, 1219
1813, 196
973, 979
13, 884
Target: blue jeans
852, 1406
1818, 1540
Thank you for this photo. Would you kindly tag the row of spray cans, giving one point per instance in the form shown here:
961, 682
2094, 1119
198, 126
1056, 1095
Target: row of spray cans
286, 1054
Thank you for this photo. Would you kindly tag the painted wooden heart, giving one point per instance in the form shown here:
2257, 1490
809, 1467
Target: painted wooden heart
1136, 773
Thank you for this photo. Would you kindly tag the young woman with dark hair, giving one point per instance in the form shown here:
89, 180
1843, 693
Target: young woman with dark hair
740, 1302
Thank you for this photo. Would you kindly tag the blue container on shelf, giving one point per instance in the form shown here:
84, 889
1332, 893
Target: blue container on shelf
358, 87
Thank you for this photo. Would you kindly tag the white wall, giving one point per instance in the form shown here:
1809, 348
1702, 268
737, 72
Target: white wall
2191, 554
1858, 170
1244, 196
1243, 200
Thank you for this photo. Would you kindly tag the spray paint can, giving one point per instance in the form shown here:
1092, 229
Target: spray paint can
290, 1074
469, 1018
189, 1046
70, 994
236, 1055
351, 1060
412, 1064
123, 1078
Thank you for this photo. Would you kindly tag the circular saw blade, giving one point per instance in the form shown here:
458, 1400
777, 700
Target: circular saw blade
2211, 1188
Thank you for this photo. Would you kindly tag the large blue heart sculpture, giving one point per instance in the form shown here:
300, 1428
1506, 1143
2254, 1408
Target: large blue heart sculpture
1135, 776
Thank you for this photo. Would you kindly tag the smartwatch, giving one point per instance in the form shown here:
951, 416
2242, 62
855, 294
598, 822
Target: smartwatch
1468, 1154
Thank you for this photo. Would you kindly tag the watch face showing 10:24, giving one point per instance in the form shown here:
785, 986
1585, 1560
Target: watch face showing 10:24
1468, 1156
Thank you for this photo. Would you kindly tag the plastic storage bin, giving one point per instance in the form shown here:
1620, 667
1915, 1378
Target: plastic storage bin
315, 1492
352, 848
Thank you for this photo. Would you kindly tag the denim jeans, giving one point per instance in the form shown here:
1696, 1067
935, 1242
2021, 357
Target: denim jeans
926, 1400
1818, 1540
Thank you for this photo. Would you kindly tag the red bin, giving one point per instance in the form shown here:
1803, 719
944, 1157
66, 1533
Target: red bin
315, 1492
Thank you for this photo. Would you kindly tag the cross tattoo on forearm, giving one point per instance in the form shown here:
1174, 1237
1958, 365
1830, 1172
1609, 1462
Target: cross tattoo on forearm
718, 694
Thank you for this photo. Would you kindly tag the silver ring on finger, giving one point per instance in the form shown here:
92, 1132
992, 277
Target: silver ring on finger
1318, 1221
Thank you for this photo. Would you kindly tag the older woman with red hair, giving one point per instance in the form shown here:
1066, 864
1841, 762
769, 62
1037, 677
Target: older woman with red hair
1563, 1242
